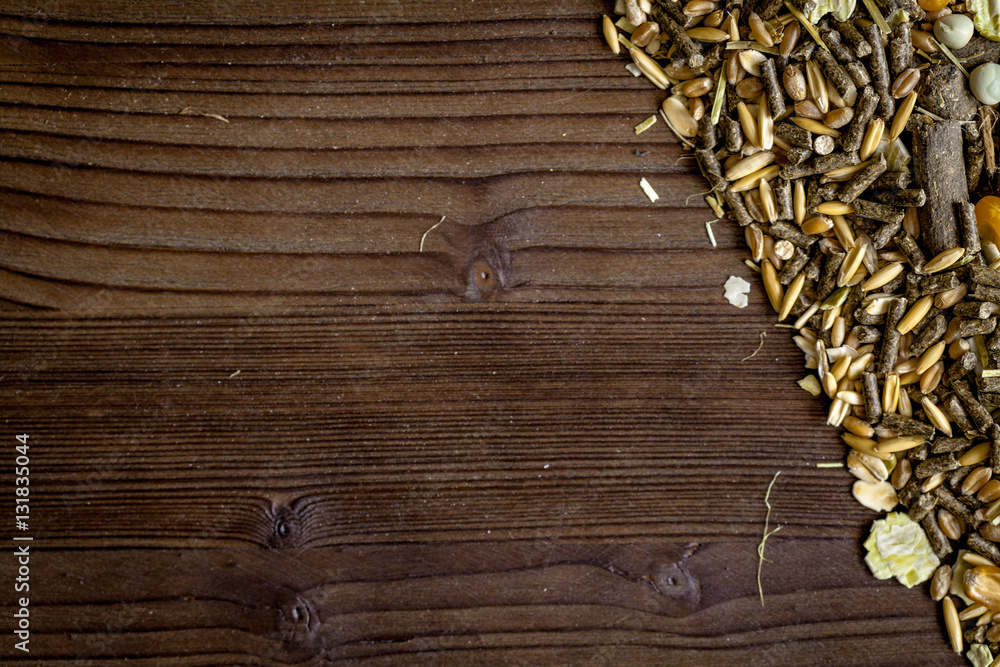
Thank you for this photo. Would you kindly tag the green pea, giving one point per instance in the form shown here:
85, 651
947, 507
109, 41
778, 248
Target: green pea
954, 30
985, 83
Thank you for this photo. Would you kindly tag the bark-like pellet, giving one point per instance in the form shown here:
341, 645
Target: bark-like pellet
943, 445
828, 278
858, 73
900, 50
912, 292
935, 464
713, 58
783, 197
850, 34
939, 282
944, 91
885, 233
873, 399
866, 334
931, 334
805, 50
739, 211
879, 70
912, 198
675, 31
920, 452
962, 366
793, 266
826, 192
958, 475
984, 548
861, 180
910, 491
813, 267
772, 88
993, 345
989, 385
914, 255
937, 539
835, 74
893, 180
890, 337
979, 415
840, 51
823, 145
820, 165
948, 500
968, 326
732, 133
906, 425
768, 9
864, 110
974, 160
968, 227
876, 211
711, 168
792, 234
798, 155
985, 276
985, 293
674, 9
706, 132
793, 134
862, 317
995, 449
922, 506
958, 414
939, 167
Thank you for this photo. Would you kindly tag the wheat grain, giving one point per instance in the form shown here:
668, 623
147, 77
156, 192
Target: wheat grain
902, 115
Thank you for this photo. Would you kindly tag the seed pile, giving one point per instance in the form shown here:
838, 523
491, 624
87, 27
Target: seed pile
856, 147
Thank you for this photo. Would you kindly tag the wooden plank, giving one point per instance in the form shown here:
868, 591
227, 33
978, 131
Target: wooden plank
538, 600
280, 412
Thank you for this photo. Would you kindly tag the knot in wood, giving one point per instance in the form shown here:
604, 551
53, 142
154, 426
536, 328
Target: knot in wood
297, 624
486, 274
286, 528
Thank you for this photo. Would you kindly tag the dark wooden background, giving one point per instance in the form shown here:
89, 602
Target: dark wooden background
266, 428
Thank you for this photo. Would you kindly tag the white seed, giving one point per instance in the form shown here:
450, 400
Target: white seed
902, 115
817, 85
751, 60
943, 260
885, 275
765, 124
679, 116
873, 135
876, 496
749, 164
611, 35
